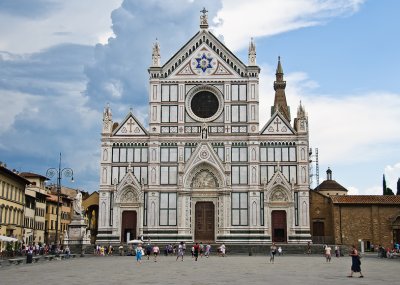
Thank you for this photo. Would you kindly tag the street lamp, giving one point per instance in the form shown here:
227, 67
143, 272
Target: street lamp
66, 172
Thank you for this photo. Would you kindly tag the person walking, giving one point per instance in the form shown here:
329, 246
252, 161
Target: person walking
272, 253
148, 250
328, 255
208, 249
222, 250
196, 251
139, 253
180, 251
280, 252
156, 252
355, 262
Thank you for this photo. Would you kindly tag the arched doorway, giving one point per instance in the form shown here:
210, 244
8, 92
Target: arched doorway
204, 222
278, 226
128, 225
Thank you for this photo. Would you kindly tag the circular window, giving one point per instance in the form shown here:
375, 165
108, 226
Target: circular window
204, 103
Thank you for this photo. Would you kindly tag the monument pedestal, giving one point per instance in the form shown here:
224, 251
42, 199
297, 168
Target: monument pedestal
78, 238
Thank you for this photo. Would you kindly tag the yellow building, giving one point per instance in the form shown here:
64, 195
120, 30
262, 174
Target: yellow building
35, 210
12, 203
51, 218
65, 214
91, 208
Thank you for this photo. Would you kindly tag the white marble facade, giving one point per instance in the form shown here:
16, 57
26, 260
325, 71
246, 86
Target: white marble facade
204, 169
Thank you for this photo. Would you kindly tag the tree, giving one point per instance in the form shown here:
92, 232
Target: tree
389, 191
398, 187
384, 185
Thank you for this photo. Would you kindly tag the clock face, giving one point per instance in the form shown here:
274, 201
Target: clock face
204, 104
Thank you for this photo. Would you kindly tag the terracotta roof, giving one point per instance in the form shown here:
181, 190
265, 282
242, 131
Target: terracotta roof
366, 199
330, 185
31, 174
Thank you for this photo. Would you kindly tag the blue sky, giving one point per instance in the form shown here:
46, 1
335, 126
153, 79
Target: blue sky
62, 61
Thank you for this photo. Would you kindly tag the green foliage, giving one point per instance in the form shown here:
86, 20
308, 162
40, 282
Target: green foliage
389, 191
384, 185
9, 247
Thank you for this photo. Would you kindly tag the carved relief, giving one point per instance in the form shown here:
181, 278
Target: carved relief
104, 176
204, 179
129, 197
105, 155
278, 196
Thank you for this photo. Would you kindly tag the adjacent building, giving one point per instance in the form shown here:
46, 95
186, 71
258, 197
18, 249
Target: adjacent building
338, 218
12, 203
204, 169
35, 208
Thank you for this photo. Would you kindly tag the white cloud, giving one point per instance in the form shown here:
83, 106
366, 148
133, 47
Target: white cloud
346, 128
80, 22
239, 20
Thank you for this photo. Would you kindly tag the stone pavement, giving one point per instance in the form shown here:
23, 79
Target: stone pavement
235, 269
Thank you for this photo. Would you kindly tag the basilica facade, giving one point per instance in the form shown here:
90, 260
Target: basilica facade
204, 169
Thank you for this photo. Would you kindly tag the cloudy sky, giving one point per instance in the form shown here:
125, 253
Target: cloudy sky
62, 61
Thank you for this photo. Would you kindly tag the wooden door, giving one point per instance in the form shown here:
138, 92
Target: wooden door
278, 226
204, 221
128, 225
318, 229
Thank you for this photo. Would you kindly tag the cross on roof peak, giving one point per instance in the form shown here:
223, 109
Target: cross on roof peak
204, 19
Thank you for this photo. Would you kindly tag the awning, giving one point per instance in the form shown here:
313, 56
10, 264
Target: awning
5, 238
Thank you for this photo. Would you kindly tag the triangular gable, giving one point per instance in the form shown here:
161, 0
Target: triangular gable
129, 179
130, 127
129, 189
278, 188
202, 63
204, 152
277, 125
218, 60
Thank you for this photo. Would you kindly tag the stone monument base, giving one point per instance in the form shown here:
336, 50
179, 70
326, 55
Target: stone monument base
78, 238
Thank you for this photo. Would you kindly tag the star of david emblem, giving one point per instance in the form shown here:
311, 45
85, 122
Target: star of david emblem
204, 62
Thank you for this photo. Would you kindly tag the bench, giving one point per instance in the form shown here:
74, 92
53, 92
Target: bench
36, 258
49, 257
73, 255
62, 256
16, 261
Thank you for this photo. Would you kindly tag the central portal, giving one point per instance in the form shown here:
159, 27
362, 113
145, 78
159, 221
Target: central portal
128, 225
204, 221
278, 226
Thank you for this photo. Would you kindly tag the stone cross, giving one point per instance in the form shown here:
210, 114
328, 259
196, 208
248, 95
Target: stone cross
277, 122
130, 124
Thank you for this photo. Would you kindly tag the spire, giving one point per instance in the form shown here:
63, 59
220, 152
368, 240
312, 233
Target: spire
204, 19
279, 69
252, 53
280, 103
107, 119
301, 112
156, 56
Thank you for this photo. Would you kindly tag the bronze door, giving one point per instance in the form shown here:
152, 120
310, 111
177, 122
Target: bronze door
128, 225
278, 226
204, 220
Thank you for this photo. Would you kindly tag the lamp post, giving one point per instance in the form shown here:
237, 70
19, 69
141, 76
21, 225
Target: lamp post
66, 172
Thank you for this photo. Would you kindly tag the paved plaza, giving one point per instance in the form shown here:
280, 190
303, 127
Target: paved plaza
287, 270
